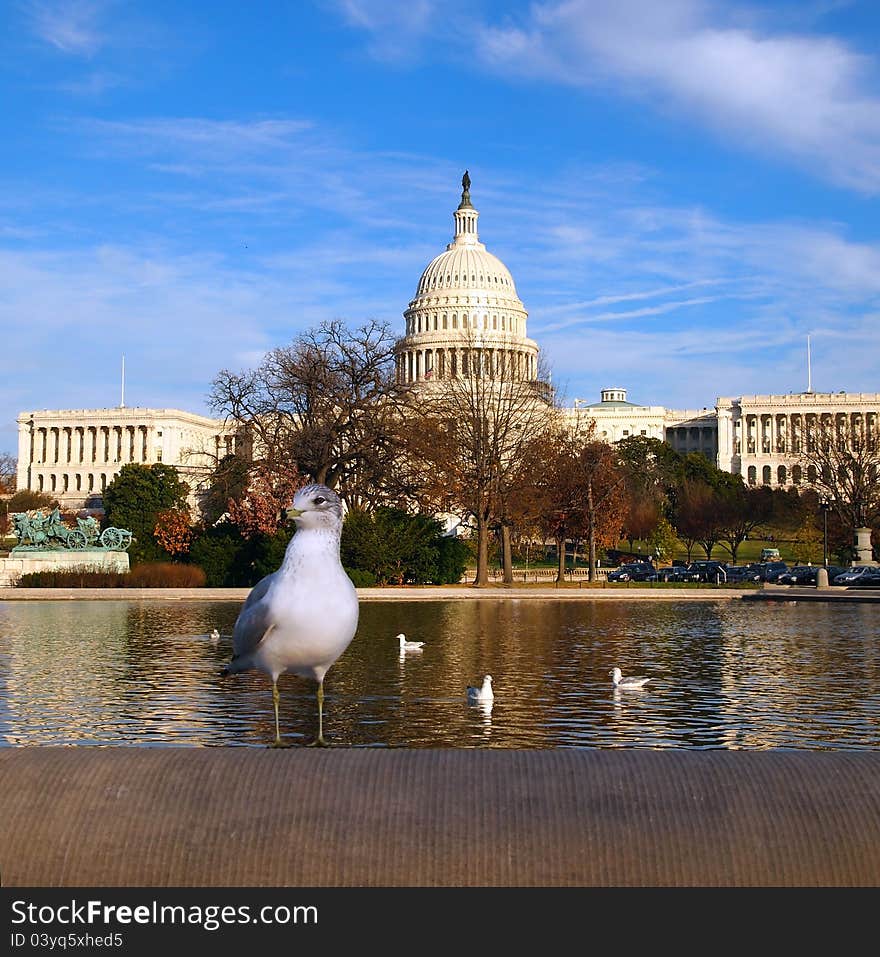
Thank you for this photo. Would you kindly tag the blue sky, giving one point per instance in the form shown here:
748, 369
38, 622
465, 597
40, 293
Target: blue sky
682, 191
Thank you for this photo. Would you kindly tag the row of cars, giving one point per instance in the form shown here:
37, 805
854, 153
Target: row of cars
776, 572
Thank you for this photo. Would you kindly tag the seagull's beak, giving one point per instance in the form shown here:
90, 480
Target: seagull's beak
287, 513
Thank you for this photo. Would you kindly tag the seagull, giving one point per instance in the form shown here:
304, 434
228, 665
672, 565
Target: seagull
626, 683
302, 617
215, 636
482, 694
406, 646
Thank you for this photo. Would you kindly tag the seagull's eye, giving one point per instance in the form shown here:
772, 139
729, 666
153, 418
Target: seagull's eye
320, 500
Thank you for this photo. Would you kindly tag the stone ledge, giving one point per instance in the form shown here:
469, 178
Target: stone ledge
24, 563
249, 817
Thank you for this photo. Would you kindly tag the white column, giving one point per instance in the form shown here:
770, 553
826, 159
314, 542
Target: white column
25, 455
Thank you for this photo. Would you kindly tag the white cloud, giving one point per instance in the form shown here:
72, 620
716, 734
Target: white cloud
71, 26
397, 27
809, 97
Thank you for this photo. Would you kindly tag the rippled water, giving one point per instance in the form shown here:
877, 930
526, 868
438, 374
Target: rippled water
727, 674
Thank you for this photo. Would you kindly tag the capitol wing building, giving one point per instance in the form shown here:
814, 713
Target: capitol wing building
73, 454
465, 319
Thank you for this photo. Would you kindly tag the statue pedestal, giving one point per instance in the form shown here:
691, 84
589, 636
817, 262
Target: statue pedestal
24, 562
864, 554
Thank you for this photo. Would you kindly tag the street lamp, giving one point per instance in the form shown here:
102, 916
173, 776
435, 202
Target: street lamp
825, 505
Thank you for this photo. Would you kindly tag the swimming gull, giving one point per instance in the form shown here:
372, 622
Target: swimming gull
301, 618
409, 645
483, 693
215, 636
626, 683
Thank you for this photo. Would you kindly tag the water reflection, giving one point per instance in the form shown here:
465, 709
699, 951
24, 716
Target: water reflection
724, 675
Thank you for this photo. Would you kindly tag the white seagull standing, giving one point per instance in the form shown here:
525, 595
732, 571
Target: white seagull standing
406, 646
302, 617
626, 683
482, 694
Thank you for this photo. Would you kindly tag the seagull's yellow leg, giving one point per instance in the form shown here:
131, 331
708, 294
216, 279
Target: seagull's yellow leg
319, 742
277, 743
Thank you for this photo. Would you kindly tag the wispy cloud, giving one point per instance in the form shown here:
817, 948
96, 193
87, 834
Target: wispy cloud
806, 96
397, 28
74, 27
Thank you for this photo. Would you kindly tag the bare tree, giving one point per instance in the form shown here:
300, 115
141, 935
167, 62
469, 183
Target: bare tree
843, 465
469, 434
329, 404
8, 473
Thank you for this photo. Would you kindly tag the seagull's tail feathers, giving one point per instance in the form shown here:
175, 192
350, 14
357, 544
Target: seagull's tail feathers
237, 664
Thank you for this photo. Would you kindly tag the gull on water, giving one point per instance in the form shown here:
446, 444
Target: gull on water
482, 694
406, 646
301, 618
626, 683
215, 636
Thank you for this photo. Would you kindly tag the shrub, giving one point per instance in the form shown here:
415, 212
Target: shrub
165, 575
398, 548
216, 551
452, 560
361, 578
147, 575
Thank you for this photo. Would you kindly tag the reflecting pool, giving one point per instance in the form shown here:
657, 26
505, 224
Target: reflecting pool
725, 674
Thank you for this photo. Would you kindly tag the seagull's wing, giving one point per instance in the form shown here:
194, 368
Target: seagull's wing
254, 619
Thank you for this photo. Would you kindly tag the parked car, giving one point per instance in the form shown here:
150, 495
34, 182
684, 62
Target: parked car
675, 573
770, 555
739, 573
706, 571
753, 571
634, 572
770, 571
870, 578
799, 575
852, 575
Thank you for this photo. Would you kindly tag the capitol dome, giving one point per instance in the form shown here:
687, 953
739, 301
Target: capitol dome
466, 317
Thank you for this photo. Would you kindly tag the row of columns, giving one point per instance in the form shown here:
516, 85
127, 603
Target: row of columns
692, 438
793, 433
75, 482
90, 444
438, 322
781, 475
417, 365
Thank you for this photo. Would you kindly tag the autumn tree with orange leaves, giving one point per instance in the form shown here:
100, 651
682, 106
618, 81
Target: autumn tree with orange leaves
259, 510
174, 531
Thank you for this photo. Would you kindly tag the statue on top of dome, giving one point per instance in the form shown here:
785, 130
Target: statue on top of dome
465, 190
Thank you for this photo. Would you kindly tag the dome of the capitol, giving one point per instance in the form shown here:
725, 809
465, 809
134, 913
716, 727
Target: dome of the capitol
465, 310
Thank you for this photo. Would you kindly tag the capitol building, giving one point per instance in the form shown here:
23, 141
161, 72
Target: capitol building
465, 319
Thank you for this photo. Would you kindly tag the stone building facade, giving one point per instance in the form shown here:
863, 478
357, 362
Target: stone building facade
74, 454
762, 437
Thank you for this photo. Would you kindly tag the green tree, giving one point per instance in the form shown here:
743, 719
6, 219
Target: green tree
134, 499
662, 541
24, 500
742, 510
